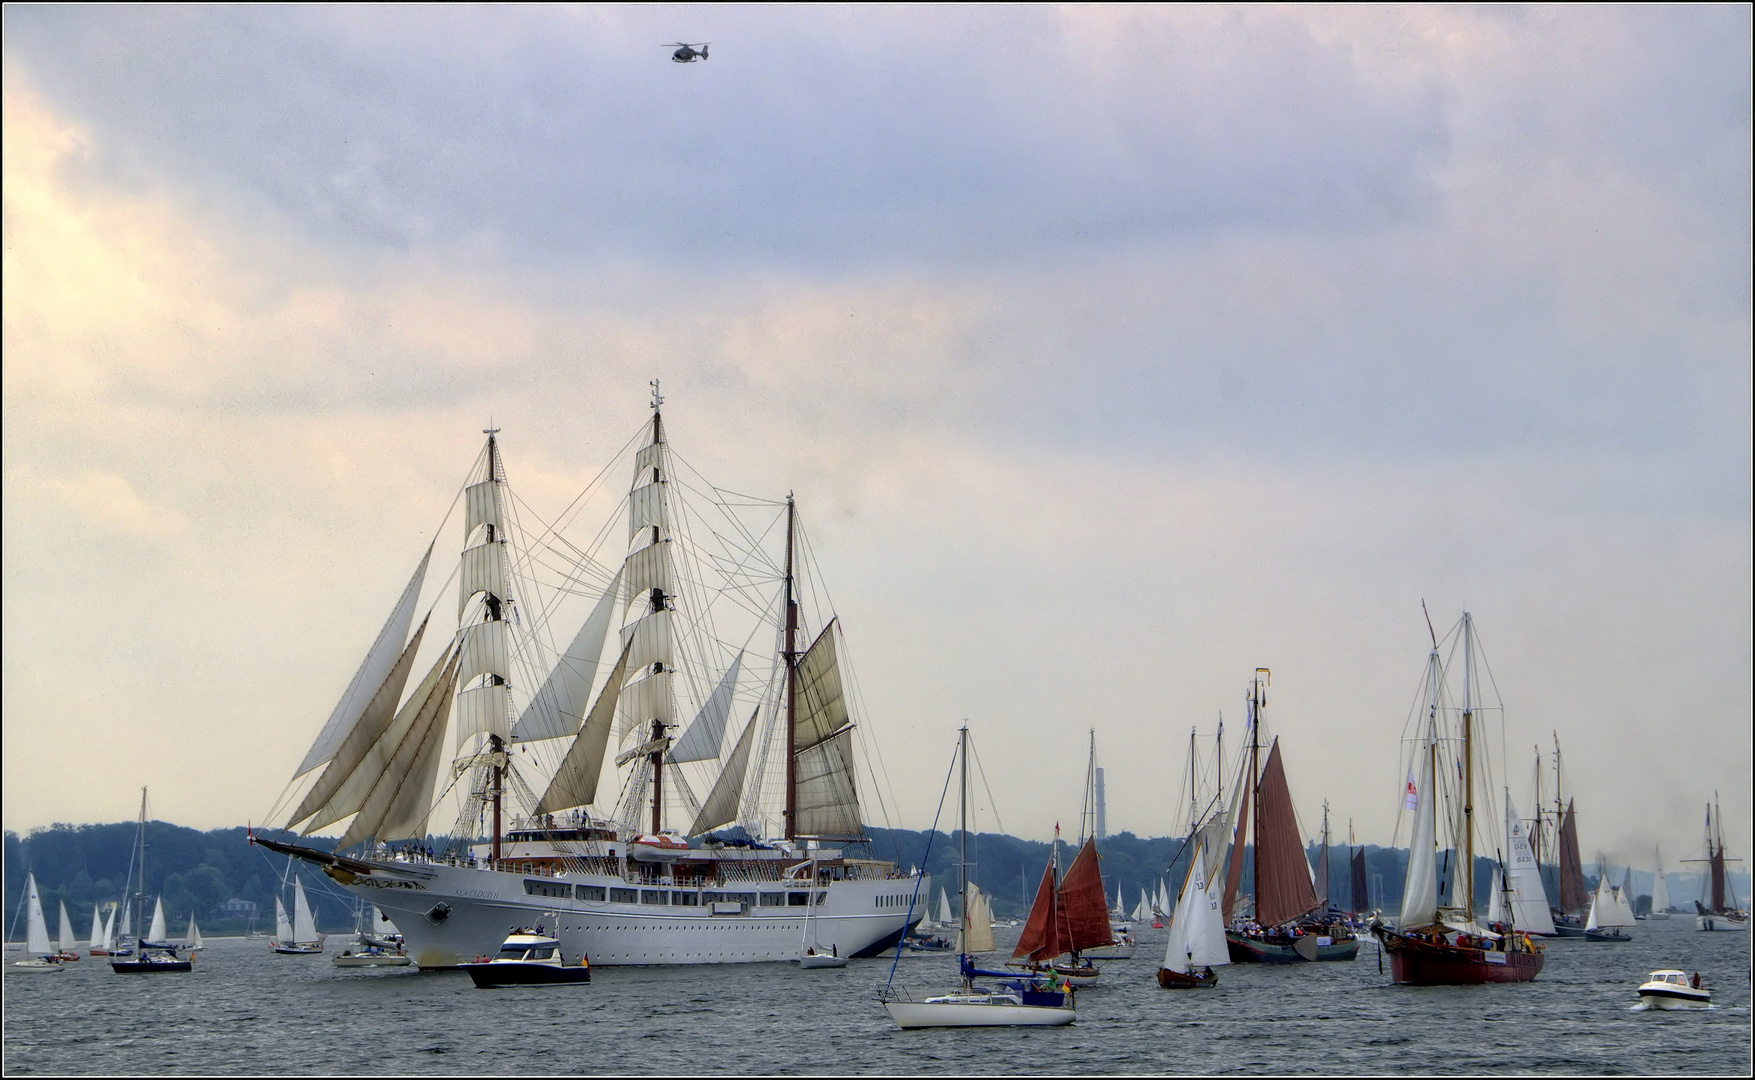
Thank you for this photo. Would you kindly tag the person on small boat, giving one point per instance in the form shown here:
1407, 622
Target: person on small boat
1695, 981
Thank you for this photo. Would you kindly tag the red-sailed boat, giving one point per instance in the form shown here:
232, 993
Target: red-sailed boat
1443, 946
1067, 917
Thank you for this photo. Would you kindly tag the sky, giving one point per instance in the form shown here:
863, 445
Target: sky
1112, 353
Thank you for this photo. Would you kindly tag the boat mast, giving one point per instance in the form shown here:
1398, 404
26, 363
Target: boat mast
140, 890
1256, 700
1193, 810
1468, 822
656, 758
789, 653
496, 748
1536, 834
963, 844
1088, 812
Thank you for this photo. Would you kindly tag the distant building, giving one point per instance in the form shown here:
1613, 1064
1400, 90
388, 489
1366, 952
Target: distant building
1102, 813
238, 909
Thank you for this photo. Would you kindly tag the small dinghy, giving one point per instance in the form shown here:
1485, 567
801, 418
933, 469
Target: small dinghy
1672, 989
528, 958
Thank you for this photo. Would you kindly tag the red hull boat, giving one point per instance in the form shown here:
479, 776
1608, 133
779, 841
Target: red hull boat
1420, 962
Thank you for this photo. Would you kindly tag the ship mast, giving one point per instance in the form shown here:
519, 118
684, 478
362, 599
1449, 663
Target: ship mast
496, 747
789, 654
1468, 821
1256, 700
963, 844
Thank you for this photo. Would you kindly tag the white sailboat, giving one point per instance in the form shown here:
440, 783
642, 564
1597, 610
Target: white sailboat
376, 943
192, 937
1197, 928
1012, 1001
811, 954
1611, 916
99, 942
67, 944
1527, 908
1660, 890
520, 716
159, 931
111, 931
946, 920
39, 954
296, 936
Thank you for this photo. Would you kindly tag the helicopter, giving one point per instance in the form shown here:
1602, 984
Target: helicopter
687, 53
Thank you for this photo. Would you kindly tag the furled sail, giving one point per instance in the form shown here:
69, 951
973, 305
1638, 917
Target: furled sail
1082, 903
1420, 887
1283, 889
975, 933
1042, 938
385, 812
379, 661
575, 782
1528, 906
363, 736
36, 928
702, 740
1573, 894
558, 709
721, 805
349, 789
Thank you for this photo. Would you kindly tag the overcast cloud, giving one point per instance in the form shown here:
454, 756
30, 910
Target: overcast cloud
1113, 352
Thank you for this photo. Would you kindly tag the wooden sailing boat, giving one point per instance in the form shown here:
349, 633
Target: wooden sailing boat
151, 954
1721, 916
1433, 945
1012, 1002
1068, 917
1569, 917
1287, 923
39, 954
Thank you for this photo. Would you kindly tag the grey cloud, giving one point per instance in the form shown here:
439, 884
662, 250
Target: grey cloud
810, 135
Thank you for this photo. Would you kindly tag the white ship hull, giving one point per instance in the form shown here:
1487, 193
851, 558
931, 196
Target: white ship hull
1719, 922
449, 915
909, 1014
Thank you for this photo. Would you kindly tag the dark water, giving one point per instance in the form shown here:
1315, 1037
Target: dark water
245, 1009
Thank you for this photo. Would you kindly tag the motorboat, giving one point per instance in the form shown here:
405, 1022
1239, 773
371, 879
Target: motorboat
528, 958
1672, 989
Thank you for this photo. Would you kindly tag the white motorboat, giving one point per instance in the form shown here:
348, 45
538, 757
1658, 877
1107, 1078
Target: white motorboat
1672, 989
528, 958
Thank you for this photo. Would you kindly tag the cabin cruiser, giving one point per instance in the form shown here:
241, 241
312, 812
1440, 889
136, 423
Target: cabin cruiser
1672, 989
528, 958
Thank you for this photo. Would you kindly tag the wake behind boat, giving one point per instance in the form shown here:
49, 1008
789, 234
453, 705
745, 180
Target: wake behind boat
638, 877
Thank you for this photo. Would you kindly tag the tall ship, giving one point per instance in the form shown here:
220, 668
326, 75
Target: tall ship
571, 772
1722, 914
1436, 940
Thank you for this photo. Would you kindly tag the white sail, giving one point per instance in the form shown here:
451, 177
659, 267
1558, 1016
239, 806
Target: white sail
67, 943
1624, 901
360, 739
486, 651
481, 506
645, 508
650, 636
558, 709
1660, 891
352, 791
127, 932
159, 931
193, 937
1420, 887
36, 930
645, 699
704, 737
945, 917
975, 933
645, 569
483, 710
283, 929
110, 941
826, 802
1142, 910
382, 924
304, 927
1528, 905
575, 782
371, 674
822, 708
1197, 930
482, 570
98, 937
1496, 905
721, 805
397, 806
1164, 904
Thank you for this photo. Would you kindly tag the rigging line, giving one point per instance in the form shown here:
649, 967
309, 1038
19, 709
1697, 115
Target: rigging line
560, 521
925, 861
991, 801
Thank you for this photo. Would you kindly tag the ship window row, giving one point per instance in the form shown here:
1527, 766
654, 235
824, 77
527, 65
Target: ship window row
897, 900
670, 897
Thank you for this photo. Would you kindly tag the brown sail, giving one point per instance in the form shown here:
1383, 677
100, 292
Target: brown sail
1042, 938
1234, 873
1282, 882
1573, 895
1084, 910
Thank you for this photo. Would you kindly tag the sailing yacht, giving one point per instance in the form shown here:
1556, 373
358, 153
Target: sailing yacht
1660, 889
1442, 945
1068, 917
1575, 899
1014, 1001
1288, 922
1197, 942
639, 877
151, 954
296, 936
39, 954
1721, 916
192, 937
66, 945
1611, 916
100, 938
